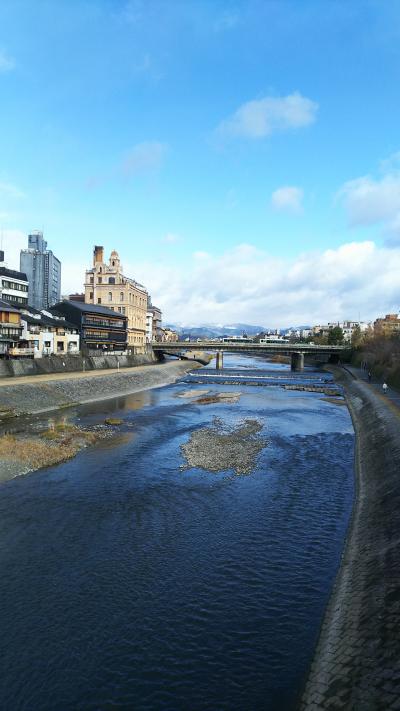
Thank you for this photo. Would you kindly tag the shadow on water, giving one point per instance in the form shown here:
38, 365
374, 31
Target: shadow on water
131, 582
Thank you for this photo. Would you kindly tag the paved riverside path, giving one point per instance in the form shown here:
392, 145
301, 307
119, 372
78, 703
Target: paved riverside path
391, 394
74, 375
356, 666
41, 393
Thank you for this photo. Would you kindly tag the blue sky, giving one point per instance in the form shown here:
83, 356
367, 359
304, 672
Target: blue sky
230, 151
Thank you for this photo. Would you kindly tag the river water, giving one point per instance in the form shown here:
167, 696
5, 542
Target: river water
131, 582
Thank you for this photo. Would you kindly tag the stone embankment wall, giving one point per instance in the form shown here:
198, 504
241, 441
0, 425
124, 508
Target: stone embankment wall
21, 398
70, 364
357, 661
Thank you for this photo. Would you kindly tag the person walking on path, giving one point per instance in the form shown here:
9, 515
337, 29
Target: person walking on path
384, 388
369, 376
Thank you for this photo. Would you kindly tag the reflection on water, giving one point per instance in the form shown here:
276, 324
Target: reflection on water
131, 582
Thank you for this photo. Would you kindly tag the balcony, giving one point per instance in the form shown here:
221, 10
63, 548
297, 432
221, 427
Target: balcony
21, 352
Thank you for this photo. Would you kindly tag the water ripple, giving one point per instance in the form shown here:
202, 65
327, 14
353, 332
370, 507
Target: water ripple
130, 584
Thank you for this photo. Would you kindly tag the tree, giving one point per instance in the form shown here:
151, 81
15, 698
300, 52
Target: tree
335, 336
356, 337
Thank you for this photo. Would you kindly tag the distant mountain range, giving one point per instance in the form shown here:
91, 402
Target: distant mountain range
212, 330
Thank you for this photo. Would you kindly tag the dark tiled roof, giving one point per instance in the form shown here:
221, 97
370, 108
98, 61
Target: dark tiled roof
86, 308
6, 306
13, 274
46, 321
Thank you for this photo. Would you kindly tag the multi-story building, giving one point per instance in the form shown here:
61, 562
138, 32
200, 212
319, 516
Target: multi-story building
154, 318
387, 326
106, 285
149, 326
13, 287
169, 336
99, 327
43, 271
45, 334
10, 327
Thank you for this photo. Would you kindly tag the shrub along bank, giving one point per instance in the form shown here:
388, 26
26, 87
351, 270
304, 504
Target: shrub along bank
381, 356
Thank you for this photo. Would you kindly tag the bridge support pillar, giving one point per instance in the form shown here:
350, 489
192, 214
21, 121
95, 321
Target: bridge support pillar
297, 361
220, 360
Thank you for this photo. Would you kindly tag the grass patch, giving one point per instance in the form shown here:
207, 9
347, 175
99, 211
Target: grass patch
49, 448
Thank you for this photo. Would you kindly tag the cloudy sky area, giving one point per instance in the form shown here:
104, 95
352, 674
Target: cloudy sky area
243, 157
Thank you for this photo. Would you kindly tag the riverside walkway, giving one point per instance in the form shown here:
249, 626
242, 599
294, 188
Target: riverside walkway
391, 394
356, 666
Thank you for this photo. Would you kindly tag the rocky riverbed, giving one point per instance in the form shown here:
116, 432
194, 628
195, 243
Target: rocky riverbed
223, 447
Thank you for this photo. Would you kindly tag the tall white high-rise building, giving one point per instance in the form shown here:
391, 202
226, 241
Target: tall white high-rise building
43, 271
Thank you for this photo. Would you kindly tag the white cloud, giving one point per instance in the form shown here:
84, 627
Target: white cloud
7, 63
10, 191
144, 157
12, 242
262, 117
369, 201
288, 199
171, 238
248, 285
201, 255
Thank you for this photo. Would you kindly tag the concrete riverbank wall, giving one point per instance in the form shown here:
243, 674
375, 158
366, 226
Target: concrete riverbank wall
71, 363
357, 661
19, 398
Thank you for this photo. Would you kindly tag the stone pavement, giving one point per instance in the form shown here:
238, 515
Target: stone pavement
357, 661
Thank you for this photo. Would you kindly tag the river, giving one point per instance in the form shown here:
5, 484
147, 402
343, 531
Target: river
132, 580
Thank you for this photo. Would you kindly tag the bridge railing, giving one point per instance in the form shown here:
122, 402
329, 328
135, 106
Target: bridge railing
220, 345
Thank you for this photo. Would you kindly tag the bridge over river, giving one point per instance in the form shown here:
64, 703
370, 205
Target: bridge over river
296, 351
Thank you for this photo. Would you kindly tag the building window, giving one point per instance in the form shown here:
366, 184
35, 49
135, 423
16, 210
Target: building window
110, 295
91, 295
91, 280
99, 301
111, 280
123, 310
121, 296
60, 345
99, 280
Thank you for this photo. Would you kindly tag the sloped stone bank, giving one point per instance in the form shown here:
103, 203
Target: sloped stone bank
20, 398
357, 660
70, 363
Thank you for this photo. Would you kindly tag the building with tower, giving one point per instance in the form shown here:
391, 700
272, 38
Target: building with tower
106, 285
43, 271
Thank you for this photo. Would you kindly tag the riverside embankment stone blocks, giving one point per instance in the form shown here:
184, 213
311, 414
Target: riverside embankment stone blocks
357, 660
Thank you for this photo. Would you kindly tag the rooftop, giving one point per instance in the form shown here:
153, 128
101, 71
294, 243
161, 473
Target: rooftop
13, 274
5, 306
91, 308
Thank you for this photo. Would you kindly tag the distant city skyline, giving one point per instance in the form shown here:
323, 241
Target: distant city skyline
243, 158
